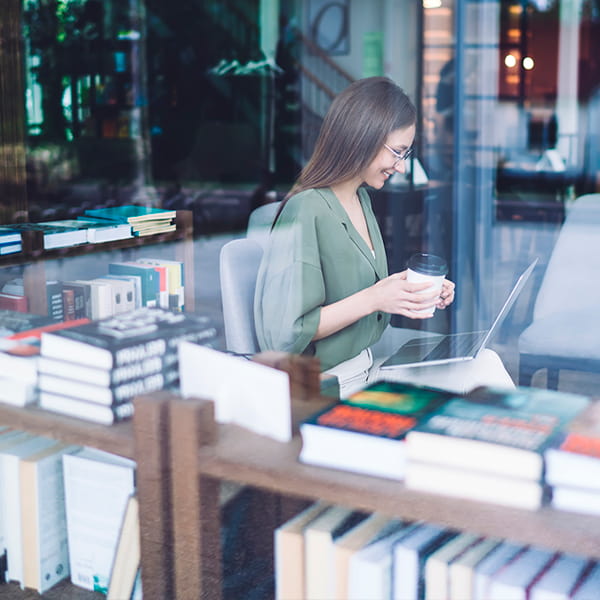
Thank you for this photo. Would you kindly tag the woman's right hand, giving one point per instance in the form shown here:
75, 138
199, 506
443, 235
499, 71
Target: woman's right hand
396, 295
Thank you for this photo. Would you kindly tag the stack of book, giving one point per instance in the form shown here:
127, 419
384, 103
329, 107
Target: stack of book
10, 241
490, 444
144, 220
93, 371
329, 551
366, 432
573, 464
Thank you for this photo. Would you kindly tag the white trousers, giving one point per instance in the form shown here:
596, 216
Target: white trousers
459, 377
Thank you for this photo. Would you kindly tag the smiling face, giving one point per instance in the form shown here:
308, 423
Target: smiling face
385, 163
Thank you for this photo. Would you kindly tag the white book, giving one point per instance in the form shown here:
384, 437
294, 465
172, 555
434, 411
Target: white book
97, 487
370, 569
43, 520
490, 565
136, 280
349, 543
576, 499
462, 570
10, 499
571, 469
319, 536
409, 557
513, 581
101, 299
289, 553
14, 366
590, 587
437, 566
124, 294
559, 581
17, 392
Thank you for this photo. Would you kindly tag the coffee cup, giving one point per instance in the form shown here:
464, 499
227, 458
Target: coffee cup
430, 268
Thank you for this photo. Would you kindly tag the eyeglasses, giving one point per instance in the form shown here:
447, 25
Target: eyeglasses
404, 156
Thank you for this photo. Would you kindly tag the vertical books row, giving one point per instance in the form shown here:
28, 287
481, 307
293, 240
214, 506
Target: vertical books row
62, 510
127, 285
501, 446
330, 551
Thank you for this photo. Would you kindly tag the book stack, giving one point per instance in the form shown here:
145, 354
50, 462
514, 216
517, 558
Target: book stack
329, 551
573, 464
10, 241
94, 370
144, 220
19, 354
366, 433
490, 444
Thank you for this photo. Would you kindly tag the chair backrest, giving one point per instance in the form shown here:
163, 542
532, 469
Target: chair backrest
260, 221
238, 266
571, 280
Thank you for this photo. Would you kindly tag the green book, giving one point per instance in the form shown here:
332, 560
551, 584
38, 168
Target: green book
130, 213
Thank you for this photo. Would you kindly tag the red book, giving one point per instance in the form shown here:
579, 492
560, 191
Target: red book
14, 302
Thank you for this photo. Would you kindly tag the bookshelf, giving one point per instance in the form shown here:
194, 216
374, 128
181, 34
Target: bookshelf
230, 453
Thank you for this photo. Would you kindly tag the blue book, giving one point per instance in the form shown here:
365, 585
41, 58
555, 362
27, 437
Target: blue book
150, 279
130, 213
8, 235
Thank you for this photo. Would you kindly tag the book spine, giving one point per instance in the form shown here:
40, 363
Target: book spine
55, 300
68, 297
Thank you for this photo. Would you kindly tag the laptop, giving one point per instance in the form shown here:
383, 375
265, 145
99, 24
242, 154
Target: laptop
454, 347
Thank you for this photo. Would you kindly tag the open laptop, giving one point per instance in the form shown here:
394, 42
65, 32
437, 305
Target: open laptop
453, 347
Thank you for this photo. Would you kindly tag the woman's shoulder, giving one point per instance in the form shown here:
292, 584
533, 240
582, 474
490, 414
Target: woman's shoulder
309, 202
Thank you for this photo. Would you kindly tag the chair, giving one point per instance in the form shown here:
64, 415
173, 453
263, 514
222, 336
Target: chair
565, 330
238, 267
260, 221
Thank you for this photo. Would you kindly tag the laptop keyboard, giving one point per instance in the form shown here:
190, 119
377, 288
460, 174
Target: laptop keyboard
460, 344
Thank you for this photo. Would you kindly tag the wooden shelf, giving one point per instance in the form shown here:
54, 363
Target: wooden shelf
118, 438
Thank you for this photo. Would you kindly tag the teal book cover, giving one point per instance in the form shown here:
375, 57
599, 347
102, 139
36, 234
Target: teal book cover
130, 213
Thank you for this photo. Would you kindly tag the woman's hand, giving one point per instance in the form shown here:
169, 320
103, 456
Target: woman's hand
447, 294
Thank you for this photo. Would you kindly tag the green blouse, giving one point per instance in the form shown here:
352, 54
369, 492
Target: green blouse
315, 257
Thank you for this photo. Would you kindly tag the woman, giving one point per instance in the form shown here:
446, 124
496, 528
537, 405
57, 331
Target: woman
323, 287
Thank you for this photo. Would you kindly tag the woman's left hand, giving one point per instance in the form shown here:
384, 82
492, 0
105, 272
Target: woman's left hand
447, 294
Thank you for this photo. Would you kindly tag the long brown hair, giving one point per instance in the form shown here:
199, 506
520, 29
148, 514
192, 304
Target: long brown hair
355, 127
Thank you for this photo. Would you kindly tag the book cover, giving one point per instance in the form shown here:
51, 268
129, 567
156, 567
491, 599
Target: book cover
491, 564
81, 301
107, 395
102, 300
136, 287
53, 235
495, 431
13, 302
12, 248
409, 556
319, 537
126, 563
289, 553
10, 500
9, 235
54, 299
175, 280
366, 432
589, 588
576, 499
97, 488
99, 231
17, 392
87, 411
150, 279
43, 519
130, 213
128, 337
574, 458
15, 321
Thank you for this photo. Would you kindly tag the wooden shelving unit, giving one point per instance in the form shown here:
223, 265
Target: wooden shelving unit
217, 452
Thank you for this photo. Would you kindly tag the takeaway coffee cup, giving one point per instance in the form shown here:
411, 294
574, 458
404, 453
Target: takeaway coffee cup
427, 267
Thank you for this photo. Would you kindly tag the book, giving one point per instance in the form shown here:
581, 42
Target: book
576, 499
476, 485
461, 573
319, 537
106, 395
126, 562
14, 302
81, 303
370, 570
574, 459
123, 293
14, 321
366, 432
136, 287
289, 553
346, 545
10, 499
102, 303
153, 228
437, 565
54, 299
43, 519
10, 248
130, 213
9, 235
559, 581
516, 578
495, 431
99, 231
53, 234
175, 280
409, 556
128, 338
491, 564
589, 588
148, 275
97, 488
17, 392
87, 411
